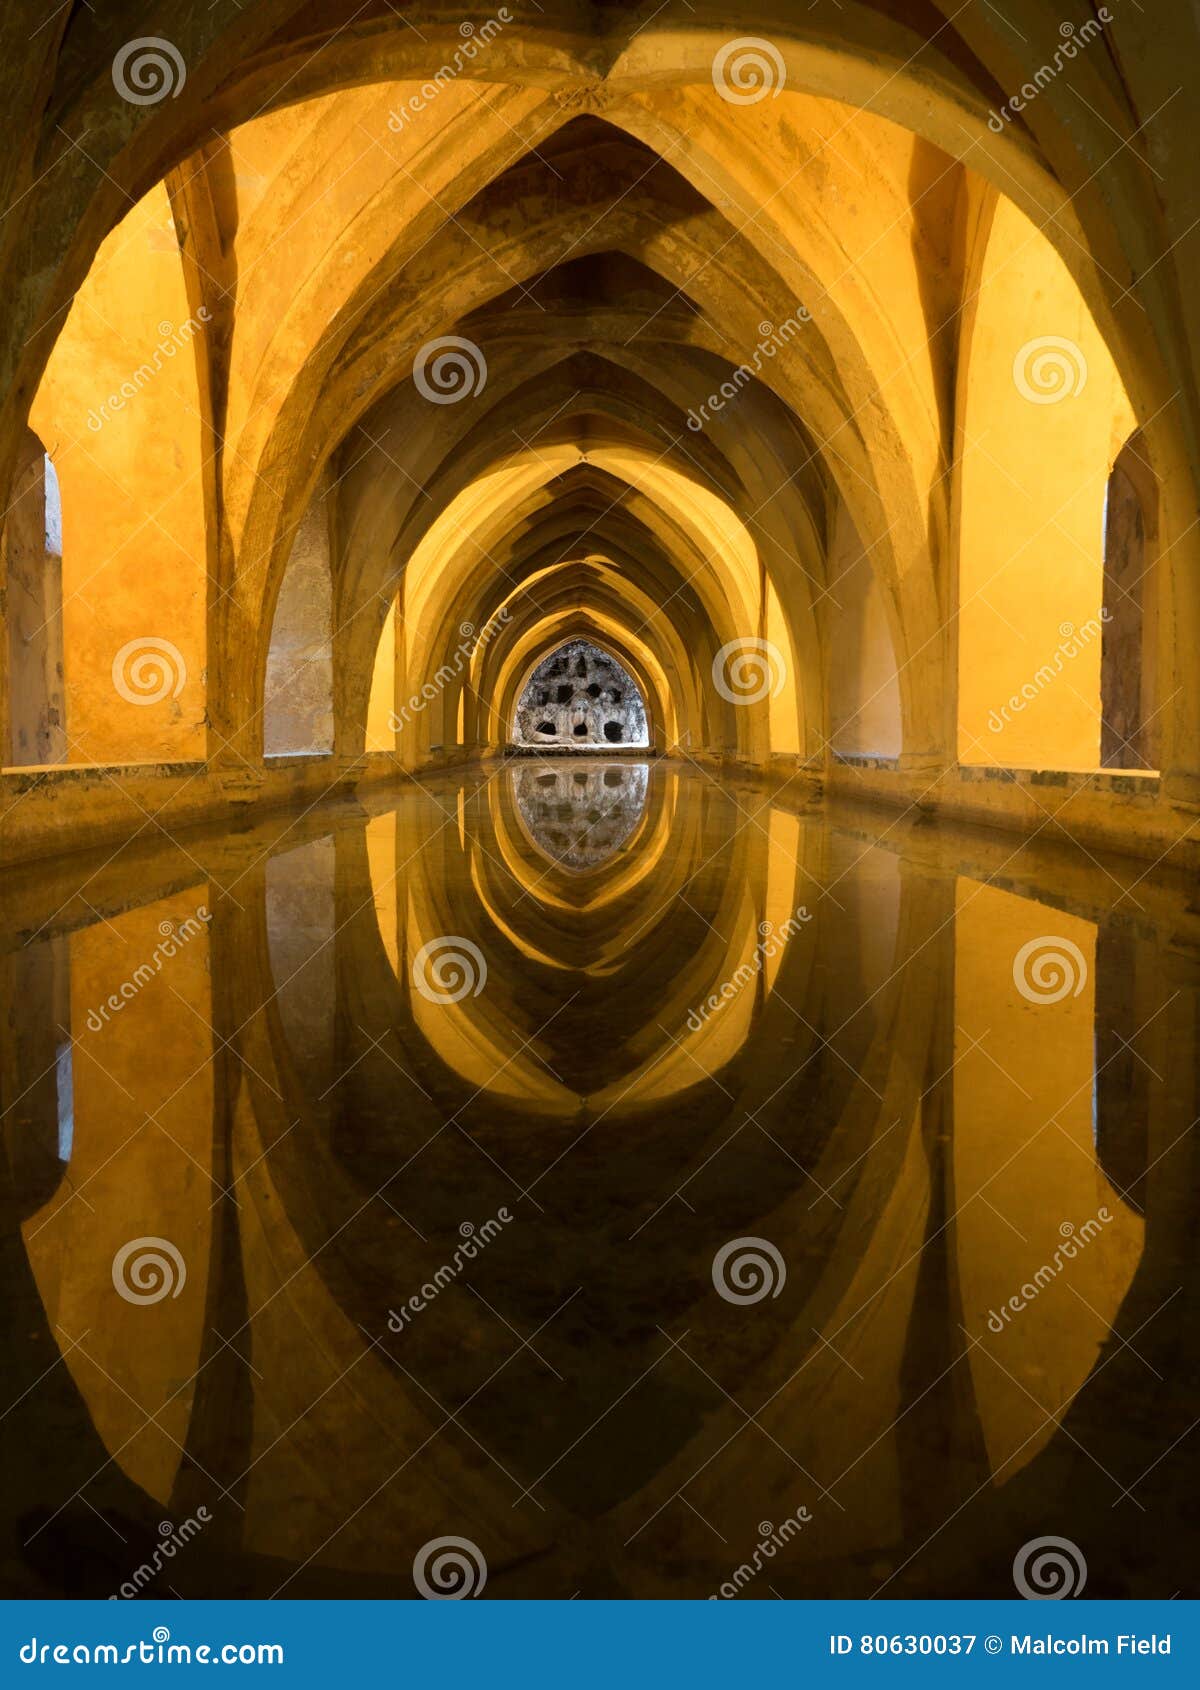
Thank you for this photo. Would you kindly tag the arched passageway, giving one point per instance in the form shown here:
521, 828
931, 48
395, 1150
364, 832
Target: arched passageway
576, 346
535, 548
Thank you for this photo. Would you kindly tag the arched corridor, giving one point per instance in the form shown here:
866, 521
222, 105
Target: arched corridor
600, 613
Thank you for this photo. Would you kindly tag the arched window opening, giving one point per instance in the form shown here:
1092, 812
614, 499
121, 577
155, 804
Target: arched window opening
33, 566
298, 706
53, 500
1127, 729
579, 698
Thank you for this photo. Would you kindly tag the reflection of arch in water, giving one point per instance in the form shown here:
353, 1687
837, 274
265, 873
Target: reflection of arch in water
624, 926
580, 818
881, 1263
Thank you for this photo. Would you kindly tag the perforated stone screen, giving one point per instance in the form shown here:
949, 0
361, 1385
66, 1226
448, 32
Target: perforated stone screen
580, 697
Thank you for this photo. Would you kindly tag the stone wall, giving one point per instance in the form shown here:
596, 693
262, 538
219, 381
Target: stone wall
580, 697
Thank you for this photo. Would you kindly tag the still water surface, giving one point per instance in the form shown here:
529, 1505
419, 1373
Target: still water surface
655, 1185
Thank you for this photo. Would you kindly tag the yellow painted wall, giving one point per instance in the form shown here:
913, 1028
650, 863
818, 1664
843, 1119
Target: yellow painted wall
134, 569
1044, 414
864, 692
